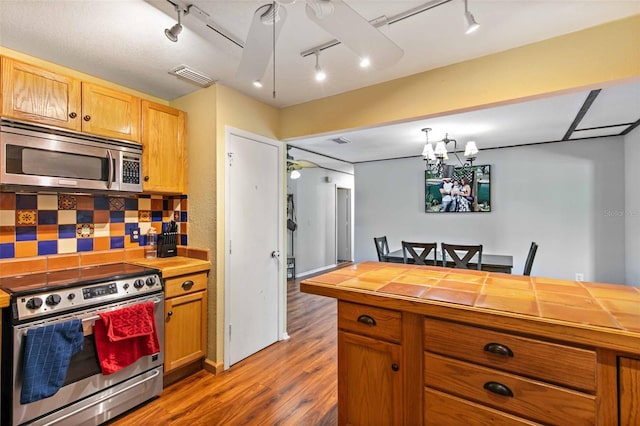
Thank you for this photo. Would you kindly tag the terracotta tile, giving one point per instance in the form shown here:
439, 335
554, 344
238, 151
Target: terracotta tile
506, 282
402, 289
63, 261
621, 306
26, 248
554, 281
84, 202
579, 315
182, 251
452, 296
362, 283
116, 229
7, 234
612, 291
524, 293
416, 279
136, 253
102, 243
198, 253
156, 204
184, 228
384, 274
457, 285
576, 290
473, 276
101, 216
520, 305
47, 232
630, 321
568, 299
22, 266
98, 257
7, 201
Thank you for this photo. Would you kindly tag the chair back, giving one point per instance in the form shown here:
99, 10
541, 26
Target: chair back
468, 252
382, 248
529, 263
419, 253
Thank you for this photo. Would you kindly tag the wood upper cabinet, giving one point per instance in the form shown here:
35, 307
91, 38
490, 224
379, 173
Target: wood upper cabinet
35, 94
629, 391
164, 143
31, 93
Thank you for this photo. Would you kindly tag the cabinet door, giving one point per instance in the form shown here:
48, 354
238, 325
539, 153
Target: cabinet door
629, 388
163, 142
185, 329
369, 381
34, 94
110, 113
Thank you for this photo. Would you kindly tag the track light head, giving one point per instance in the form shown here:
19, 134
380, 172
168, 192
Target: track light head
172, 34
320, 74
472, 24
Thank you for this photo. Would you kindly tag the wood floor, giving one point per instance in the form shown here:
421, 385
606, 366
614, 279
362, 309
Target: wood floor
293, 382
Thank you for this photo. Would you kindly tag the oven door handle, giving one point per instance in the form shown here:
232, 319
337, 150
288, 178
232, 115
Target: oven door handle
101, 400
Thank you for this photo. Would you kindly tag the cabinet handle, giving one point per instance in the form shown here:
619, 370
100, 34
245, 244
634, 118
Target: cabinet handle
367, 320
498, 349
395, 367
498, 388
187, 285
146, 178
73, 115
86, 118
170, 314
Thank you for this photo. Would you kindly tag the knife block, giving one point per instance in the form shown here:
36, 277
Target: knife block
167, 244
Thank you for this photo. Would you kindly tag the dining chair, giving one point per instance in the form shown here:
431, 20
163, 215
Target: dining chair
529, 262
467, 251
382, 248
419, 253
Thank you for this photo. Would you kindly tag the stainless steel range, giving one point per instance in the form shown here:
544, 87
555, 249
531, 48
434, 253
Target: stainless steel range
79, 298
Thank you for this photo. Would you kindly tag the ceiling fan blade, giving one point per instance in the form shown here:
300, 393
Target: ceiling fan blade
354, 31
258, 47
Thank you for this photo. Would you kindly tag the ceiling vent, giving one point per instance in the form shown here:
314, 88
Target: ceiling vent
340, 140
192, 75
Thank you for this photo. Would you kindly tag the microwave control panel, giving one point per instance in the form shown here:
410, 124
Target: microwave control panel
131, 171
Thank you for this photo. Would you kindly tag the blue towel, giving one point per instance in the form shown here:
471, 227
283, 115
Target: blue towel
47, 352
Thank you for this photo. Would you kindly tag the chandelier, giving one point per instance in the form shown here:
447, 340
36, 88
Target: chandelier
435, 158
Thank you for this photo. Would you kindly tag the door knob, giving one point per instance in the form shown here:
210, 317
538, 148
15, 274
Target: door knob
275, 254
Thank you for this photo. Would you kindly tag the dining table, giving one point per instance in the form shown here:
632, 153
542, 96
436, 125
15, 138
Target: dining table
490, 262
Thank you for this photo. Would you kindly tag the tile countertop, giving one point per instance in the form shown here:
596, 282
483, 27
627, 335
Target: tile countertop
174, 266
606, 309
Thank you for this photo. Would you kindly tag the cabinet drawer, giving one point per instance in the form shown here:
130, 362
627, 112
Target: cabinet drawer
441, 409
509, 393
185, 284
564, 365
369, 321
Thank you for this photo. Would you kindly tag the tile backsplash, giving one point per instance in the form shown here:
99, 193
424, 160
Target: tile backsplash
46, 224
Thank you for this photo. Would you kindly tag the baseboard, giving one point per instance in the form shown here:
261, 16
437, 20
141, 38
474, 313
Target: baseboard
214, 368
315, 271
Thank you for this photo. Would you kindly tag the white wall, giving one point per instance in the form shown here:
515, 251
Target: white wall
556, 194
631, 210
315, 204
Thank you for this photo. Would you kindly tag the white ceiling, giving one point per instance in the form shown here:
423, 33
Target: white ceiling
123, 41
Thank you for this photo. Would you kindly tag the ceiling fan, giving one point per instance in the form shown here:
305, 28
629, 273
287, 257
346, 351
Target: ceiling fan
334, 16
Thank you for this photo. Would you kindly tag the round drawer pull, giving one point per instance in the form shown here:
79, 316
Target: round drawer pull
395, 367
366, 320
498, 349
498, 388
73, 115
187, 285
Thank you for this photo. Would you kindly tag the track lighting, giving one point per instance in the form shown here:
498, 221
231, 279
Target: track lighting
172, 34
257, 84
320, 74
472, 25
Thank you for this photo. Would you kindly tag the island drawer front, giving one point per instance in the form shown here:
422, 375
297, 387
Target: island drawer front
531, 399
369, 321
560, 364
441, 409
185, 284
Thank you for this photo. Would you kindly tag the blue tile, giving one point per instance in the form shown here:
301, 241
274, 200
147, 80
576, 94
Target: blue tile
184, 217
117, 242
116, 216
47, 247
26, 233
131, 204
47, 217
67, 231
84, 216
101, 203
184, 197
156, 216
7, 251
24, 201
183, 240
165, 204
85, 244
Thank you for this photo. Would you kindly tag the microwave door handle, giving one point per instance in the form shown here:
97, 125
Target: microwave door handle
110, 159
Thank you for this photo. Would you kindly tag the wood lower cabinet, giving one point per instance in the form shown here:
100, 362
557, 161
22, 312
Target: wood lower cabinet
164, 144
185, 320
629, 391
38, 95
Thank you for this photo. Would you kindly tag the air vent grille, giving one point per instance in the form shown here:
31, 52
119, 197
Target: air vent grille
340, 140
193, 76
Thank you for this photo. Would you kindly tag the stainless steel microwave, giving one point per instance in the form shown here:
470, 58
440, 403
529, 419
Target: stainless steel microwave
34, 157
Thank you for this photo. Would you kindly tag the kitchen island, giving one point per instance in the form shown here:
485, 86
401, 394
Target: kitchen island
437, 346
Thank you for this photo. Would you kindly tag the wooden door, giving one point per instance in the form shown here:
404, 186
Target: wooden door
32, 93
629, 391
185, 329
163, 148
110, 113
369, 381
255, 300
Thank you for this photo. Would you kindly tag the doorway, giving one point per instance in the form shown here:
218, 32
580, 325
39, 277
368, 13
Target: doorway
343, 225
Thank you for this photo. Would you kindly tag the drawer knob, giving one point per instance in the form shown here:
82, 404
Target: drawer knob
366, 320
187, 285
73, 115
498, 388
395, 367
87, 118
498, 349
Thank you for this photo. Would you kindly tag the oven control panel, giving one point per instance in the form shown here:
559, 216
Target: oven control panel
69, 298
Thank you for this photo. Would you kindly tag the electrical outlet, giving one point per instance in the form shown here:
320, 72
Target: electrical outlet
579, 276
135, 235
